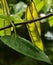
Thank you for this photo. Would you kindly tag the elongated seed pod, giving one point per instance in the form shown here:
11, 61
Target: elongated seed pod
33, 28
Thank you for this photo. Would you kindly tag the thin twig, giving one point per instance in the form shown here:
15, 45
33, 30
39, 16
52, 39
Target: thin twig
25, 22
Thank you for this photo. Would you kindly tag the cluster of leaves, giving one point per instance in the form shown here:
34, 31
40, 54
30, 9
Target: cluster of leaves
20, 44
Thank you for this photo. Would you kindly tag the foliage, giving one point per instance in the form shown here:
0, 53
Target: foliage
17, 49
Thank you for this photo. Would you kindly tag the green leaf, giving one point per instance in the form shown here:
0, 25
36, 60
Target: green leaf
3, 17
40, 6
14, 18
37, 1
1, 26
25, 47
50, 20
47, 5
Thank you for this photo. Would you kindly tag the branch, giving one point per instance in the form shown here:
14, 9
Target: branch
25, 22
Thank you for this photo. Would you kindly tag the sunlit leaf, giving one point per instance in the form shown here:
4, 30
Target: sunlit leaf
50, 20
1, 24
40, 6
